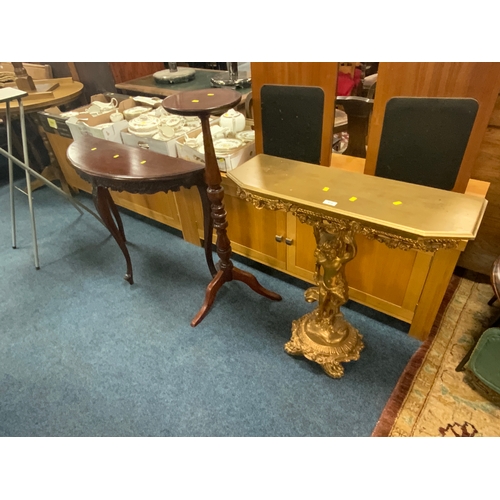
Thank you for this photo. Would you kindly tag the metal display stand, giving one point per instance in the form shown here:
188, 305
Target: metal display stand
6, 96
233, 78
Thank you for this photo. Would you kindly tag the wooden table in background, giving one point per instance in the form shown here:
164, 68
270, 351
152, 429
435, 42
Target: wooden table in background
67, 91
147, 85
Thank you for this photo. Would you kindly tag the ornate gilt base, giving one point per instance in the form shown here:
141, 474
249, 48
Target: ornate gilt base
326, 342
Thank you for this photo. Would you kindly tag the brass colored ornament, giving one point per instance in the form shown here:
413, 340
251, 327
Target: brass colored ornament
324, 336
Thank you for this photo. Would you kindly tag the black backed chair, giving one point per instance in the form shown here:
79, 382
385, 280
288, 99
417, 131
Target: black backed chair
424, 139
292, 121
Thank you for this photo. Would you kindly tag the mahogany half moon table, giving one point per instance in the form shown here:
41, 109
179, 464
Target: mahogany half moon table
203, 103
109, 165
338, 205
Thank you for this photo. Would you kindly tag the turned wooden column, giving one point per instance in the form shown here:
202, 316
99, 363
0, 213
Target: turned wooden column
203, 103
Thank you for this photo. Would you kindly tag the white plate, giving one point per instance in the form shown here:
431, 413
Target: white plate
144, 126
226, 145
246, 135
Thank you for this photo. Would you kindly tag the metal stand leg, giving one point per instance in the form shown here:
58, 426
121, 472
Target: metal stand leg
11, 175
6, 96
28, 182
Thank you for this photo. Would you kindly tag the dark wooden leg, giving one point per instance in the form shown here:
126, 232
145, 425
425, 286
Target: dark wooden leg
105, 205
210, 293
208, 228
461, 365
251, 281
492, 300
227, 272
116, 214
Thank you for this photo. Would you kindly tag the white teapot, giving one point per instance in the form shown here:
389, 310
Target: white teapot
233, 120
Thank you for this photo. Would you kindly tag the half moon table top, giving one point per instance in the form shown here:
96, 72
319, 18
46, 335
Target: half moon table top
398, 207
103, 159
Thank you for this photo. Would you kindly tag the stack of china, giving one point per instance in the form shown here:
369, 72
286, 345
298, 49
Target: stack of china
192, 122
144, 126
171, 126
217, 132
227, 145
246, 136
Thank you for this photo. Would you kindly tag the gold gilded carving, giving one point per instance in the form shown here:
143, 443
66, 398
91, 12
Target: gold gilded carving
396, 241
312, 219
324, 336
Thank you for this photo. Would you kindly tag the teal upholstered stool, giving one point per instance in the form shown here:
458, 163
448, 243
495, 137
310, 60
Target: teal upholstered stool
483, 367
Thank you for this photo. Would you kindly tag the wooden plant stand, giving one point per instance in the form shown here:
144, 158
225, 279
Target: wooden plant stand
203, 103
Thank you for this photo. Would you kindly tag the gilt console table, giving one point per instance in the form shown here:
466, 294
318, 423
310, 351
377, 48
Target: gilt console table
338, 205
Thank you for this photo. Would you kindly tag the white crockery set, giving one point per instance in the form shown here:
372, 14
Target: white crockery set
228, 136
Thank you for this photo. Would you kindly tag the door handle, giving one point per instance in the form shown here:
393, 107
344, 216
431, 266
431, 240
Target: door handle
279, 239
288, 241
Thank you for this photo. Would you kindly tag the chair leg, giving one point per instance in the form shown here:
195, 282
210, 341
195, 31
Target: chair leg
461, 366
492, 300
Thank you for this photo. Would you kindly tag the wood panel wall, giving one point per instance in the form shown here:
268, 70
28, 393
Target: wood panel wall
447, 79
318, 74
125, 71
481, 253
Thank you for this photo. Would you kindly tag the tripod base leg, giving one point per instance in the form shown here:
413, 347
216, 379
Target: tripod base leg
223, 276
210, 293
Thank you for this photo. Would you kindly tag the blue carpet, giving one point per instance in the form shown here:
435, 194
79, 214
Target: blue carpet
83, 353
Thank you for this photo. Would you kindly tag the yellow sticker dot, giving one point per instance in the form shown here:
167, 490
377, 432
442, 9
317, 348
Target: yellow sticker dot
326, 189
195, 100
143, 162
210, 94
93, 149
352, 198
116, 156
397, 202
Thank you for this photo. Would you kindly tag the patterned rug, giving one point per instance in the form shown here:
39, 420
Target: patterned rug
431, 398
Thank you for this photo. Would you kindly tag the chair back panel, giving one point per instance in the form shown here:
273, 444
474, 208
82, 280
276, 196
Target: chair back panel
423, 139
292, 121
